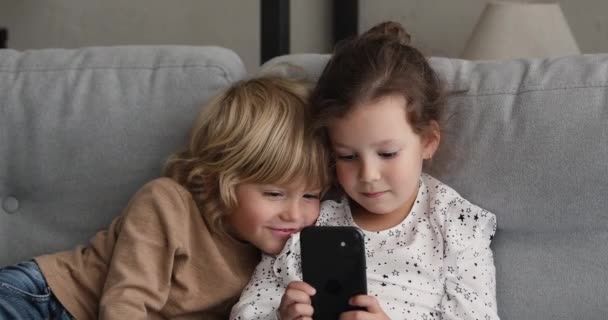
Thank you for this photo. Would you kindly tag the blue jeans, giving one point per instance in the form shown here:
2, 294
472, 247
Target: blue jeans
24, 294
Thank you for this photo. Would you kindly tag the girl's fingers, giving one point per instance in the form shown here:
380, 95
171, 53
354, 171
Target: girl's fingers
297, 311
297, 292
368, 302
302, 286
296, 302
292, 296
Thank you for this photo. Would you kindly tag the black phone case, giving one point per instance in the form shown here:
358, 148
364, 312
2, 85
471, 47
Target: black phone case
333, 262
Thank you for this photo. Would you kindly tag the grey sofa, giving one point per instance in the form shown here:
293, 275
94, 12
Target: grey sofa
81, 130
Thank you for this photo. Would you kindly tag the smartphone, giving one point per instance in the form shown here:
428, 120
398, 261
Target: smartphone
333, 262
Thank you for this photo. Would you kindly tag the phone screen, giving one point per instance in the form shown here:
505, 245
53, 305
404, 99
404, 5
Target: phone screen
333, 262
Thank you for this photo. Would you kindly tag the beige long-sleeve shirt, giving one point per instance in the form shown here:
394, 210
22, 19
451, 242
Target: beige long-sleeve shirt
158, 260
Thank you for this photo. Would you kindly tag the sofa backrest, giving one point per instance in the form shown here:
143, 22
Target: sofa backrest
527, 139
81, 130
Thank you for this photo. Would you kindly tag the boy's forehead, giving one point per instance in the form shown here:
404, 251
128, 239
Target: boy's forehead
293, 181
303, 181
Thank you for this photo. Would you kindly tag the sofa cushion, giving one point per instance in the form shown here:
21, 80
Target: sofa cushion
81, 130
527, 140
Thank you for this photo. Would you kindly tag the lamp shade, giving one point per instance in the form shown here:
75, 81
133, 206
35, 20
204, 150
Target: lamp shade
520, 29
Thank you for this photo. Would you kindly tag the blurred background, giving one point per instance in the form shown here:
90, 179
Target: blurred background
438, 27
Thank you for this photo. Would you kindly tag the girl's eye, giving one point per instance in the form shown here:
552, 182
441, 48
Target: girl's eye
346, 157
387, 155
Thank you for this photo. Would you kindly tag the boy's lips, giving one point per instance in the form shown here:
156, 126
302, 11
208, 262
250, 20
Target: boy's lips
284, 232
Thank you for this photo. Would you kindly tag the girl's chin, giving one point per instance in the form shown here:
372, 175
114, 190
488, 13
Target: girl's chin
377, 209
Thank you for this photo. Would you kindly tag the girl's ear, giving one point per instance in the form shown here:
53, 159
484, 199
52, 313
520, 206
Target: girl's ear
431, 140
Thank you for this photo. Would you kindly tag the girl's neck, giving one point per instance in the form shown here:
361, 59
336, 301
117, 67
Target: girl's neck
375, 222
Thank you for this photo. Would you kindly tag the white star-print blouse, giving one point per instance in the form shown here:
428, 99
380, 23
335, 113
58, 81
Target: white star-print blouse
436, 264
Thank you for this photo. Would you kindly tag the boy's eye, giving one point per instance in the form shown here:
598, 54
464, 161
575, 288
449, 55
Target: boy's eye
312, 196
272, 194
387, 155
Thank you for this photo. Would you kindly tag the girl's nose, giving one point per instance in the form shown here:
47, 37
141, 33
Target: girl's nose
369, 171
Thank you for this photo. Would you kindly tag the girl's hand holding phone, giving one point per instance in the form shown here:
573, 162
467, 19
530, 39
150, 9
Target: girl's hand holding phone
296, 302
374, 310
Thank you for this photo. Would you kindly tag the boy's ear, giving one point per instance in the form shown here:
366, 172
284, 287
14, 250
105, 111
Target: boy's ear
431, 140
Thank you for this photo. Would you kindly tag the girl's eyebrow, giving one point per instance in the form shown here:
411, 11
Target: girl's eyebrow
383, 143
380, 143
340, 145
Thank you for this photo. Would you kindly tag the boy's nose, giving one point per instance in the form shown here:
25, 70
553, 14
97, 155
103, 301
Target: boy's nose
291, 212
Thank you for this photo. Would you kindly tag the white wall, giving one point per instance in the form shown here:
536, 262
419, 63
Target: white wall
439, 27
310, 26
74, 23
442, 27
234, 24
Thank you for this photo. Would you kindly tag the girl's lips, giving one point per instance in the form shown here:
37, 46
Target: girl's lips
373, 194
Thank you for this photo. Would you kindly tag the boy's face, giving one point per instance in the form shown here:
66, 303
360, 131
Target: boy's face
379, 157
267, 215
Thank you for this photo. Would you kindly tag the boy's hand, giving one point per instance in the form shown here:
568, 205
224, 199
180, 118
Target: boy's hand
296, 303
373, 312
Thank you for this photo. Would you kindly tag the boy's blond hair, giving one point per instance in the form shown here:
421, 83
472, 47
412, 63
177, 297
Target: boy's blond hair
258, 131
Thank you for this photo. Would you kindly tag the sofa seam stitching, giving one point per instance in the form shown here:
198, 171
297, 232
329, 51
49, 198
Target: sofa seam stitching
117, 68
526, 90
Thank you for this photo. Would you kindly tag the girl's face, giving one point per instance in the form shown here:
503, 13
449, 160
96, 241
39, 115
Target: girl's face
267, 215
379, 160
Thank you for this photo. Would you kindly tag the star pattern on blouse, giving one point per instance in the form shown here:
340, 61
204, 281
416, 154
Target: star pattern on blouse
416, 269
